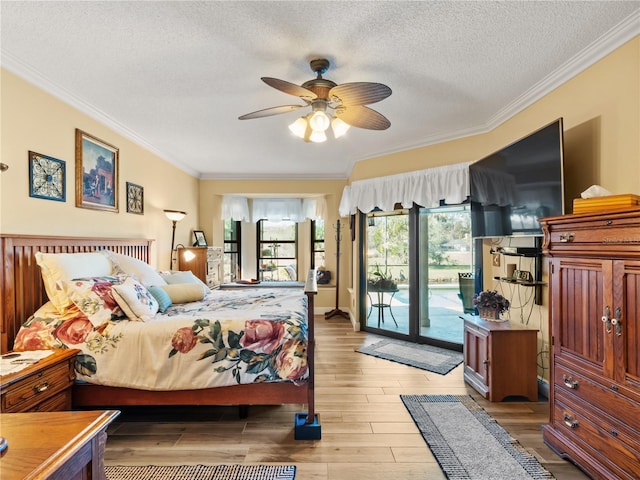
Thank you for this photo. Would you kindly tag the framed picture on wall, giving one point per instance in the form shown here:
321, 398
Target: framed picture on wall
135, 198
47, 177
201, 241
96, 173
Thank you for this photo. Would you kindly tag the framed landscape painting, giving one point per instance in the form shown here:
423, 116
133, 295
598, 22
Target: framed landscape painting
96, 173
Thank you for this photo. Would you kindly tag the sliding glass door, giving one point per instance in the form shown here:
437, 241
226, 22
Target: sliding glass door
417, 263
445, 259
387, 271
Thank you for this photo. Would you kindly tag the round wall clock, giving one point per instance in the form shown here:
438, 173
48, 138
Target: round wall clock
135, 198
46, 177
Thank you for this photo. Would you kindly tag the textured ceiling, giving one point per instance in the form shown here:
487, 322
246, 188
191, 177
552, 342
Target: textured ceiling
175, 76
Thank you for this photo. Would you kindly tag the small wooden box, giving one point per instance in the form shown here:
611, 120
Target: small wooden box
610, 202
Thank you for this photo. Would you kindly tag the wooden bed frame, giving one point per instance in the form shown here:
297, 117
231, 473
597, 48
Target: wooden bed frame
23, 292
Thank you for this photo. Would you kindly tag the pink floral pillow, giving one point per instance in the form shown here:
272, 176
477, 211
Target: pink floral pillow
94, 297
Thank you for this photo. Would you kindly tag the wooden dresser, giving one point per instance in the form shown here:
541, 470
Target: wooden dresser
595, 326
500, 359
44, 386
204, 262
55, 445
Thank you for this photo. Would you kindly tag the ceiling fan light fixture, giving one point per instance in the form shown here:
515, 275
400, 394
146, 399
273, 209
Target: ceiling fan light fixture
299, 127
318, 136
339, 127
319, 121
328, 101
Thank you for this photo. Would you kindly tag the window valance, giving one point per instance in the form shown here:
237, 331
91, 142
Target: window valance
423, 187
236, 207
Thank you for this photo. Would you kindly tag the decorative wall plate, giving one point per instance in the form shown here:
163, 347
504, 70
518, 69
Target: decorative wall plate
47, 177
135, 198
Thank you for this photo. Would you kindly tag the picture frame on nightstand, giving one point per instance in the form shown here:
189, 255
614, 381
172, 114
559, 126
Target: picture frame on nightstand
200, 239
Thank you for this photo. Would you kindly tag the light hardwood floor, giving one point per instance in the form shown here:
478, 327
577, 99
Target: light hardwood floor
366, 431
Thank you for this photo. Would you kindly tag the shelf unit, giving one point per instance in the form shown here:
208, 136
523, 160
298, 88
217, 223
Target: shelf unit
528, 252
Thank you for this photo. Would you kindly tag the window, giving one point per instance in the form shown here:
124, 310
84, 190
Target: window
317, 243
231, 251
277, 247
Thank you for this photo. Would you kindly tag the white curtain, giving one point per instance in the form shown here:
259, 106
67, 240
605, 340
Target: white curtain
236, 207
423, 187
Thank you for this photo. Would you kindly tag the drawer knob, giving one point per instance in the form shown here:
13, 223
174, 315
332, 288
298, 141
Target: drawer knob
42, 387
614, 433
570, 382
569, 421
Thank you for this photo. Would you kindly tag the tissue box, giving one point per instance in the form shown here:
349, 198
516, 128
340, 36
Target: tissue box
610, 202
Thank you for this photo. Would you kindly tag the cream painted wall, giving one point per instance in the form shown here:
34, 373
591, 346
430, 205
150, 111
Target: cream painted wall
34, 120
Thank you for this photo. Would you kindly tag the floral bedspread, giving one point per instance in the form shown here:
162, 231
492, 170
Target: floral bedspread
230, 337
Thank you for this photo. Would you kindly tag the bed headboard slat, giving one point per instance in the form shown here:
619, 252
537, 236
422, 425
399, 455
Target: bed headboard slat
21, 287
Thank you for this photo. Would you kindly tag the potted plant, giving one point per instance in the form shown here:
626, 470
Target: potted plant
381, 281
490, 304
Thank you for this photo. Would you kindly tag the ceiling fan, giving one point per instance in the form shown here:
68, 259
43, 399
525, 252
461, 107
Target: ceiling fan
338, 106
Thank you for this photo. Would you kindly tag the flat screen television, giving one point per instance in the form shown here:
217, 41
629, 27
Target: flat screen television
515, 186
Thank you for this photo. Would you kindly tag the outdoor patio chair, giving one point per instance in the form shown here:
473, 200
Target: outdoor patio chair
466, 282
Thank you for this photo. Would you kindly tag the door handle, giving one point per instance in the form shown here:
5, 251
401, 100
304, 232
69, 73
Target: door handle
606, 318
617, 321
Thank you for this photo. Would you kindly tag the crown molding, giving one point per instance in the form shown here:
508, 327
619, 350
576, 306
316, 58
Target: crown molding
33, 76
596, 51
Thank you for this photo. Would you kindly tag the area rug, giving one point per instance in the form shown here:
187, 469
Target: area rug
468, 443
201, 472
426, 357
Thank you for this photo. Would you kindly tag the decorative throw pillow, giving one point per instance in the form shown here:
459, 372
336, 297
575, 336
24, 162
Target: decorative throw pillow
135, 300
185, 277
94, 297
183, 292
66, 266
144, 272
162, 297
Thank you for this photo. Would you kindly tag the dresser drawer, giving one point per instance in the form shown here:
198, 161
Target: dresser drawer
596, 434
23, 395
601, 235
57, 403
600, 395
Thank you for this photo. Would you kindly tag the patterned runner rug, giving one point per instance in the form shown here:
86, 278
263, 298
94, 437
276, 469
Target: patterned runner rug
468, 443
202, 472
425, 357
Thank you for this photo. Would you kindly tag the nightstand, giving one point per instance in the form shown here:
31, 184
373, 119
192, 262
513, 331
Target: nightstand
44, 386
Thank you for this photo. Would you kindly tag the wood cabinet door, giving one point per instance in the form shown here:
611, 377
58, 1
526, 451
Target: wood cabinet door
626, 331
580, 290
477, 354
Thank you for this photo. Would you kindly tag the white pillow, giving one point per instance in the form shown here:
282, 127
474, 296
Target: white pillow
186, 276
144, 272
135, 300
66, 266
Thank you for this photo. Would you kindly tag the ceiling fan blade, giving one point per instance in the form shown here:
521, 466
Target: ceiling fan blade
267, 112
363, 117
290, 88
359, 93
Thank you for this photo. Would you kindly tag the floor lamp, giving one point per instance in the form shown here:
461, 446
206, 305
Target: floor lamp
175, 216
